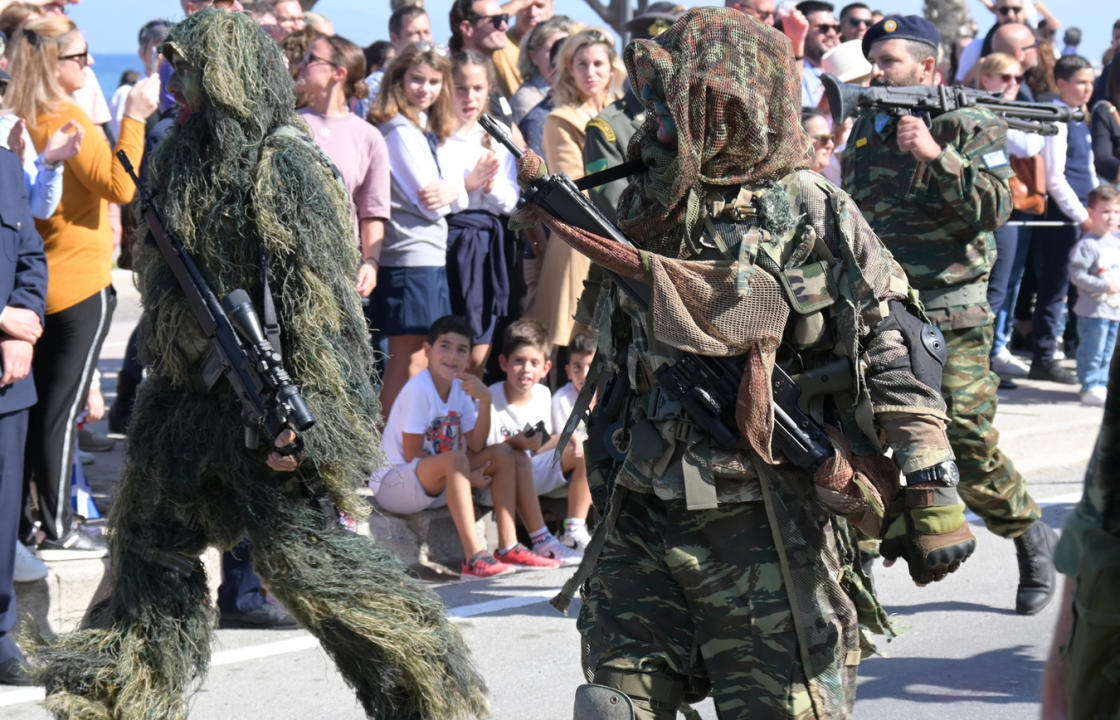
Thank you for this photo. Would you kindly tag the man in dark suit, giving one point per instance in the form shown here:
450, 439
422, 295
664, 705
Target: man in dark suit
23, 291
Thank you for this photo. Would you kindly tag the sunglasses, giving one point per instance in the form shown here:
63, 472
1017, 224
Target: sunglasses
822, 139
859, 22
1008, 9
498, 20
81, 58
310, 59
825, 28
1008, 77
426, 46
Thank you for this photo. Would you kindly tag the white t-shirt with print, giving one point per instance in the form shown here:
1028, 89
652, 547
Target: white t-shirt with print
507, 420
419, 410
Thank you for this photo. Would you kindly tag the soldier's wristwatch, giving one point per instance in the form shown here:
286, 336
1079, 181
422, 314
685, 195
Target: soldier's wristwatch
944, 473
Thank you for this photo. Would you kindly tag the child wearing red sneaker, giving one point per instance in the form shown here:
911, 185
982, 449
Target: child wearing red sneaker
435, 444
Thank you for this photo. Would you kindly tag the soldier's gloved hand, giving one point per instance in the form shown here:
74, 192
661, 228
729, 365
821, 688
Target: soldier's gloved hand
855, 487
931, 533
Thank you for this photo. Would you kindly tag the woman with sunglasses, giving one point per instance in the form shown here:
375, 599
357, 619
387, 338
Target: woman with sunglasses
332, 76
1002, 73
414, 112
589, 76
48, 62
815, 125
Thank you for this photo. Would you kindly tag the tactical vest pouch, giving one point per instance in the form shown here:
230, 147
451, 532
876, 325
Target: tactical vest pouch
1092, 653
809, 287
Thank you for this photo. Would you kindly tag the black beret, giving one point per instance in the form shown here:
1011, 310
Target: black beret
655, 20
907, 27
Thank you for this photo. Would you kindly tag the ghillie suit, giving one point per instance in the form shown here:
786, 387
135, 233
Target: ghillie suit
243, 185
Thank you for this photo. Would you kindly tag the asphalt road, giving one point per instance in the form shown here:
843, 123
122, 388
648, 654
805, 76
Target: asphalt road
962, 652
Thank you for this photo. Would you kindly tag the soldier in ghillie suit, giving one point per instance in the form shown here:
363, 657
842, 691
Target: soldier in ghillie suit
733, 572
251, 196
934, 195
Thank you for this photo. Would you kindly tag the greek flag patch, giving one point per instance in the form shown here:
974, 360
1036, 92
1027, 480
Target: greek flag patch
995, 159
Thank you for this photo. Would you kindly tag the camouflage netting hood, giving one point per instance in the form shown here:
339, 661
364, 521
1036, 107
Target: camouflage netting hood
731, 86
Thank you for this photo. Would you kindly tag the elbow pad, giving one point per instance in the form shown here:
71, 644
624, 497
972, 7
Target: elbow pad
924, 340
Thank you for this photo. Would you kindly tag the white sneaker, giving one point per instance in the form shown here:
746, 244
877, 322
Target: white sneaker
577, 538
1007, 365
28, 568
1094, 396
553, 548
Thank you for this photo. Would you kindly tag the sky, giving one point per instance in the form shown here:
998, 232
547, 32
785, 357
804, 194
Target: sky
111, 25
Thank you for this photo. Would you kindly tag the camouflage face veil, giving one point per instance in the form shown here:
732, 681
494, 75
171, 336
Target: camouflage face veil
731, 86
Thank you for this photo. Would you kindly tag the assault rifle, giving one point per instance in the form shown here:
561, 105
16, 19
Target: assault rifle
705, 387
239, 349
845, 99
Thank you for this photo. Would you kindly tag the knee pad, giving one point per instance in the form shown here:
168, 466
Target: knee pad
599, 702
653, 695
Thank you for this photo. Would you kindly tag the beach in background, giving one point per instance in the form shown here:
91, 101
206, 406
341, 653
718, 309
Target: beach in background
109, 66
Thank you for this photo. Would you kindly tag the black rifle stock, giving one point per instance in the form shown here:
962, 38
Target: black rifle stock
845, 99
239, 349
705, 387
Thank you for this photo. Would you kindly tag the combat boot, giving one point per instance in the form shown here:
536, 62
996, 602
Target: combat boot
1035, 549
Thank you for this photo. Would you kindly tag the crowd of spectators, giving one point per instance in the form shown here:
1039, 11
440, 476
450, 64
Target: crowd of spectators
432, 194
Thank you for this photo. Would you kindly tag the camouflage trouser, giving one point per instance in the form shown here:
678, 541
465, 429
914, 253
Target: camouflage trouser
689, 603
990, 485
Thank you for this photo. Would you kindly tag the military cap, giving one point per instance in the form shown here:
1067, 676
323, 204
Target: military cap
906, 27
655, 20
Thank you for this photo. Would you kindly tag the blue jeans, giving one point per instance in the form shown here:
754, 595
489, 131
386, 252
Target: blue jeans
1094, 352
1012, 244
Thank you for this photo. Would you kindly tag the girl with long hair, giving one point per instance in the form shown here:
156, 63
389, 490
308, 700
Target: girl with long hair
331, 76
589, 76
476, 252
48, 63
414, 113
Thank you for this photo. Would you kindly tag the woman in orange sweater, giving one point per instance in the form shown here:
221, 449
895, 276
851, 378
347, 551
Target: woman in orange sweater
49, 57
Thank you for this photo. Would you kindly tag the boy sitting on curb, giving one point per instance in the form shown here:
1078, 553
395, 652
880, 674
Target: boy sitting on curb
435, 445
522, 420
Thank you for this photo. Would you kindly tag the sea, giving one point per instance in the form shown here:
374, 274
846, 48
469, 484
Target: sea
109, 67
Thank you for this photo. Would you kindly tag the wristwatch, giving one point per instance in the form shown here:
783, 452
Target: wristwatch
944, 473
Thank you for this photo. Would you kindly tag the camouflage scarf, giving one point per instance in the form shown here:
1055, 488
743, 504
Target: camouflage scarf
731, 86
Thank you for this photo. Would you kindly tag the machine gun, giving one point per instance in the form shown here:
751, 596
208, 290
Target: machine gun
705, 387
845, 99
239, 349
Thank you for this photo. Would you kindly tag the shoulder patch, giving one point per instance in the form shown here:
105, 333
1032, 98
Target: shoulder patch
861, 142
595, 166
995, 159
602, 126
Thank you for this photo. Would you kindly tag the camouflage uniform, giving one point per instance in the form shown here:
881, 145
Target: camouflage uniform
721, 571
1089, 554
937, 219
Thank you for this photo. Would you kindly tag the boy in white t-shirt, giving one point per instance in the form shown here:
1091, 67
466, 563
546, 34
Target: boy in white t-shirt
435, 445
521, 402
581, 351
